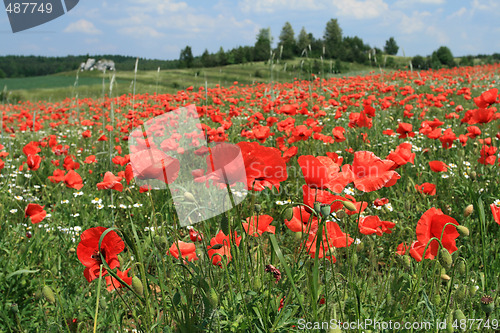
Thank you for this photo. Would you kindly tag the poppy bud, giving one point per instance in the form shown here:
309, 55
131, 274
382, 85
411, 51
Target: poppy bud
288, 214
217, 247
360, 246
354, 259
449, 323
137, 286
297, 235
436, 299
224, 224
213, 298
468, 210
473, 175
463, 231
461, 293
460, 266
458, 315
71, 250
472, 290
406, 261
445, 277
349, 205
189, 196
48, 294
258, 208
487, 304
257, 283
445, 258
176, 300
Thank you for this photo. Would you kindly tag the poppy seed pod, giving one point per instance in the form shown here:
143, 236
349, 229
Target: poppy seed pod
325, 210
445, 258
487, 304
341, 214
445, 277
317, 207
468, 210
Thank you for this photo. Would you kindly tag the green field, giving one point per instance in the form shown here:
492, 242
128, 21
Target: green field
90, 84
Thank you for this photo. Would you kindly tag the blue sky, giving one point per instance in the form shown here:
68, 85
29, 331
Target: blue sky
161, 28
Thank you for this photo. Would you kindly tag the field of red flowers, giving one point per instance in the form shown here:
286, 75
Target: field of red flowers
361, 198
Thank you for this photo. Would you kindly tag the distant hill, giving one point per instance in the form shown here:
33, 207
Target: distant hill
13, 66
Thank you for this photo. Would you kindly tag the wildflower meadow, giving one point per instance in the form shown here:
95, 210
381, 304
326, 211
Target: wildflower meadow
271, 207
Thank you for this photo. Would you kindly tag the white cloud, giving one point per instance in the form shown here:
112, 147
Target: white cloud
484, 5
141, 32
82, 26
458, 13
361, 9
414, 23
272, 6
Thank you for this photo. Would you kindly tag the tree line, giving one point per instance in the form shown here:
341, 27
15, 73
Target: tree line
333, 45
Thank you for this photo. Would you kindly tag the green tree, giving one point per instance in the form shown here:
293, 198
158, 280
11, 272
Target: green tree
221, 57
287, 42
303, 41
445, 56
418, 62
391, 47
262, 48
207, 59
186, 57
333, 39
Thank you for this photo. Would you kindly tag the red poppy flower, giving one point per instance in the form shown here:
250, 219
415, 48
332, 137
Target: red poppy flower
333, 237
87, 134
89, 255
402, 249
35, 212
379, 202
372, 173
402, 155
154, 164
405, 130
57, 176
110, 181
426, 188
338, 134
264, 166
114, 284
194, 235
257, 225
34, 162
90, 159
299, 220
31, 148
447, 138
373, 225
73, 180
495, 210
432, 224
438, 166
487, 98
323, 173
225, 165
220, 248
187, 250
69, 164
